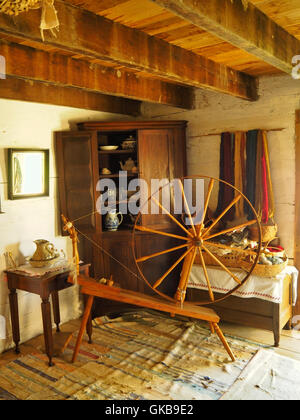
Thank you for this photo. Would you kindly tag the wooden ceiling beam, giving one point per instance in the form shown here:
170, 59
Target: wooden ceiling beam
32, 91
87, 34
241, 24
61, 70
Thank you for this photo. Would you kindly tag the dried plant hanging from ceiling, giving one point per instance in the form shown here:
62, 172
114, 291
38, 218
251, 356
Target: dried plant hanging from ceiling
49, 19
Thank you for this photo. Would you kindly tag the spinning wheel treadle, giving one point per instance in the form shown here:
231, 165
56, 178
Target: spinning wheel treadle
195, 239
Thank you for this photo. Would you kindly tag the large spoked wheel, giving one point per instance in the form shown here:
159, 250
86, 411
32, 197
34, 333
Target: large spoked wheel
196, 239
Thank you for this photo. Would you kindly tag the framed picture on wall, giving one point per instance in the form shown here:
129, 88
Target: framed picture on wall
28, 173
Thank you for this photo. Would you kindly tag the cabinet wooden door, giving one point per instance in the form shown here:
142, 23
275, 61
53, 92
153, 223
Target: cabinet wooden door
78, 174
154, 163
116, 260
162, 158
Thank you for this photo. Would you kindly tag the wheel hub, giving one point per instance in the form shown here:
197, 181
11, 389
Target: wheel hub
198, 243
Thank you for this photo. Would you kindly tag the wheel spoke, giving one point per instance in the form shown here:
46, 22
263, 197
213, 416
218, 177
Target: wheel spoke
158, 232
211, 294
148, 257
210, 188
223, 232
171, 217
186, 205
223, 213
222, 265
161, 279
233, 249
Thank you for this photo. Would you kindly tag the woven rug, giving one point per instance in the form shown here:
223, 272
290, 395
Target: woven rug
139, 356
269, 377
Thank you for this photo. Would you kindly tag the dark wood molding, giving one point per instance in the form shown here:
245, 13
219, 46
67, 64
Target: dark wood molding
94, 37
30, 91
248, 28
131, 125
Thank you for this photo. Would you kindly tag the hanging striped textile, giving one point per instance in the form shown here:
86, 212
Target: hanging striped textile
259, 199
270, 192
226, 193
245, 163
239, 170
265, 202
251, 150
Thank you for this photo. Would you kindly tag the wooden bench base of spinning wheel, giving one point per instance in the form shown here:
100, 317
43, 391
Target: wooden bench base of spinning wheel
93, 289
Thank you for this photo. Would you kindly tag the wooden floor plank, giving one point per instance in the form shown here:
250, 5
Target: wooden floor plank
287, 341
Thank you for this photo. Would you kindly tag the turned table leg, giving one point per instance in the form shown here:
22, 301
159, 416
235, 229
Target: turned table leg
56, 310
47, 323
14, 312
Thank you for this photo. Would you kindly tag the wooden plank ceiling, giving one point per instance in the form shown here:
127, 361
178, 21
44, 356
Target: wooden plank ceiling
154, 50
147, 16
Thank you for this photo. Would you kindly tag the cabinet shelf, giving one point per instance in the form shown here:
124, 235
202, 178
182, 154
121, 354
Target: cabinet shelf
129, 175
117, 152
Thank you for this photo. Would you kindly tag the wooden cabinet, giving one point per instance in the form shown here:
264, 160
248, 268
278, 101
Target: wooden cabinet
160, 153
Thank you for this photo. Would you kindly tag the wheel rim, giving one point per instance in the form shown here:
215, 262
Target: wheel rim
195, 241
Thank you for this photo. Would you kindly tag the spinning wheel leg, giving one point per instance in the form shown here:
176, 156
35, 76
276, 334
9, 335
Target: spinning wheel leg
224, 341
84, 322
186, 271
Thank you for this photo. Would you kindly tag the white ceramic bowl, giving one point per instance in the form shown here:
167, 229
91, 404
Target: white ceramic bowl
43, 263
108, 148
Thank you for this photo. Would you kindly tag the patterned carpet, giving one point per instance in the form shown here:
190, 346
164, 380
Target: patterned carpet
139, 356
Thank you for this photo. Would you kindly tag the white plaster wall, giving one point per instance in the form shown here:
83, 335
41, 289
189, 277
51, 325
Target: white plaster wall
31, 125
215, 113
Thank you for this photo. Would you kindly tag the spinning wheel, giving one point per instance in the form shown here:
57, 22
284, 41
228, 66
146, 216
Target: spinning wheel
197, 240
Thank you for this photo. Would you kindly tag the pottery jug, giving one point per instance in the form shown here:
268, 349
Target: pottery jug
113, 220
44, 251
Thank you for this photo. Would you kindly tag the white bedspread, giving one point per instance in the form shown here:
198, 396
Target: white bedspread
264, 288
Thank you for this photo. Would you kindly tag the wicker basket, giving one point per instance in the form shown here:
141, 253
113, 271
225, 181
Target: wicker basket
269, 233
262, 270
232, 260
236, 261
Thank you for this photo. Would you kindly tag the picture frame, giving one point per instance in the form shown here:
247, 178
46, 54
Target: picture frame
28, 173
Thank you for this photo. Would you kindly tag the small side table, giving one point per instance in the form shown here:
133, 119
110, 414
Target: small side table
44, 286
